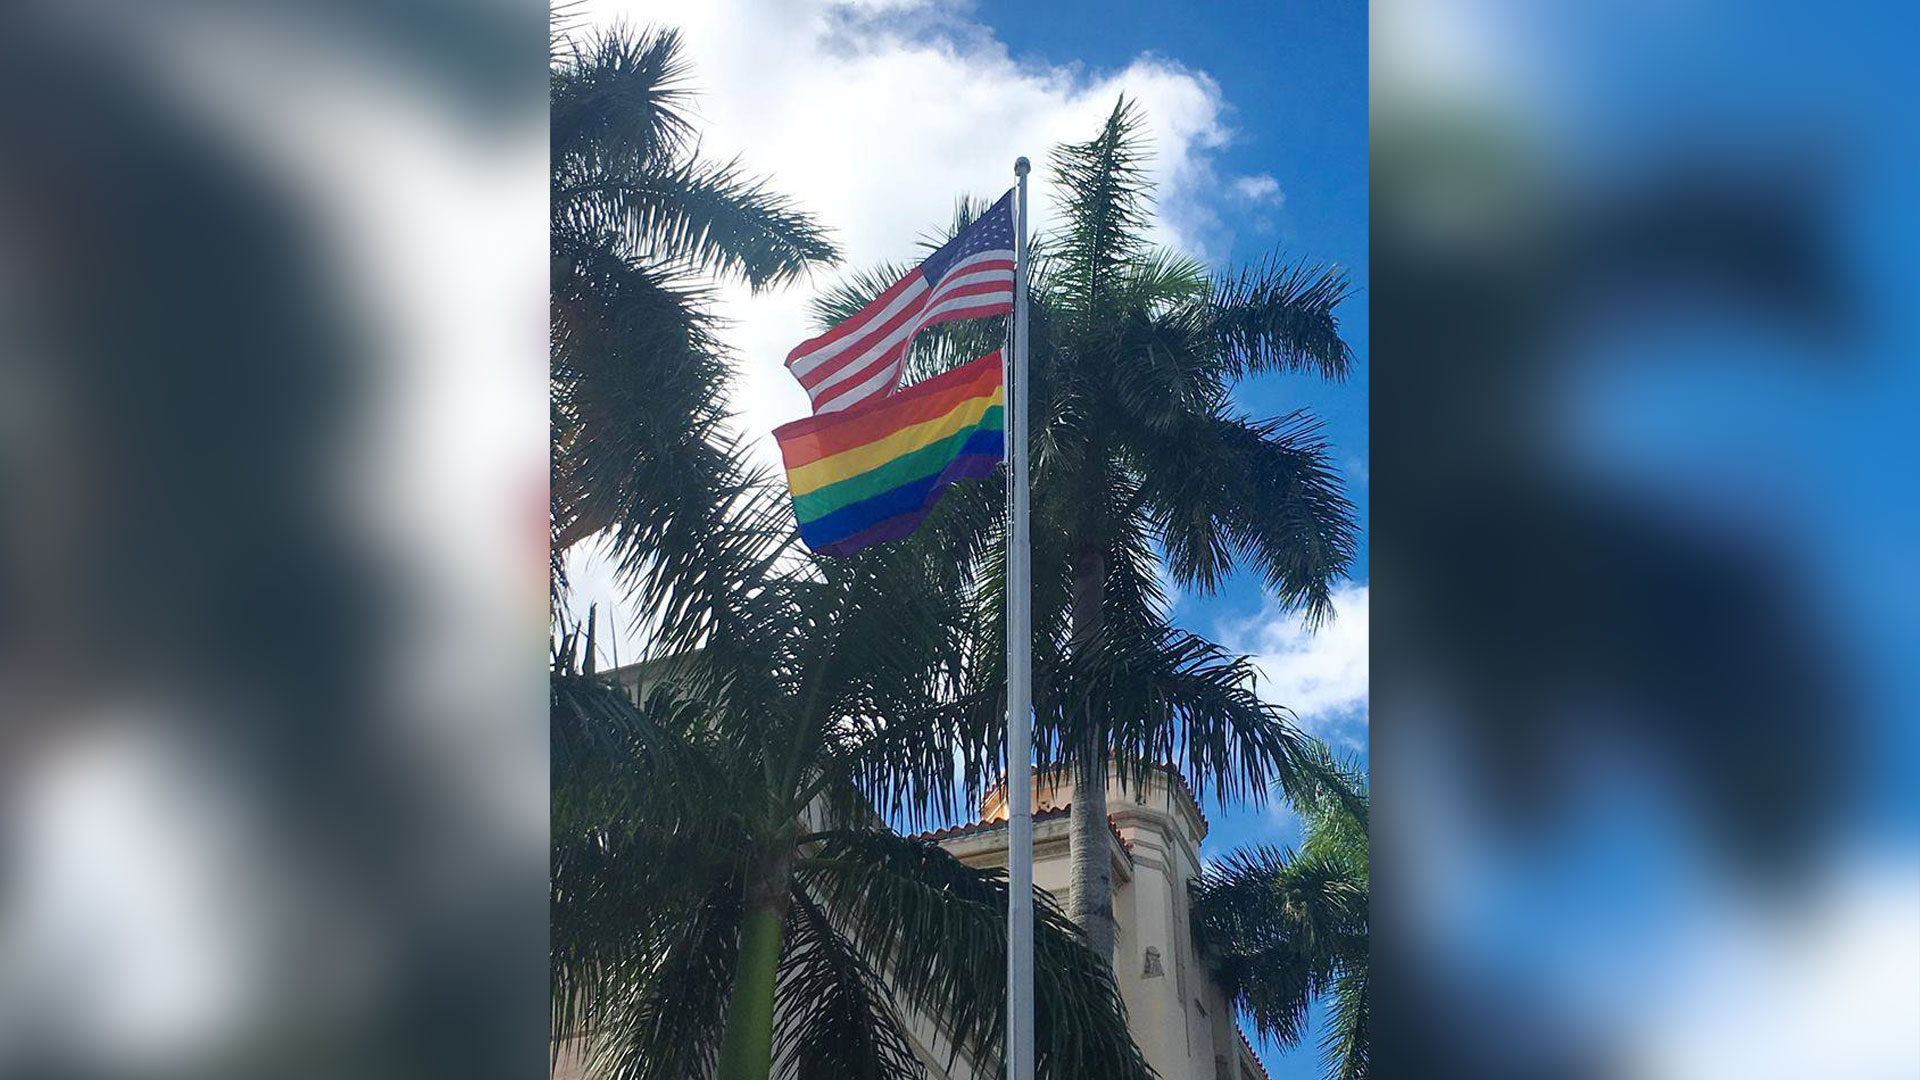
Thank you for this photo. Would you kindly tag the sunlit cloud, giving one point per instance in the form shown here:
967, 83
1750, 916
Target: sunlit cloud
1322, 676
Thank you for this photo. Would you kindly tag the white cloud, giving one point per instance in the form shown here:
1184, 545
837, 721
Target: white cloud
1259, 188
1321, 676
875, 116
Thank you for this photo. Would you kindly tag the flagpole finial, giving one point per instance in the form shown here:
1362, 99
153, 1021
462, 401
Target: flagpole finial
1021, 166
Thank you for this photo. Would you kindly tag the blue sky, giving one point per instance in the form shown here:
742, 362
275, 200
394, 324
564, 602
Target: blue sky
1294, 78
875, 115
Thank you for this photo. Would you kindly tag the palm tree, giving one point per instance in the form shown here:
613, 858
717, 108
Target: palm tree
639, 220
724, 902
1281, 928
1137, 451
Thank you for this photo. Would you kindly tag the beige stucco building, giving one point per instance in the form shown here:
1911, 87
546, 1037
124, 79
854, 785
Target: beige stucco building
1180, 1019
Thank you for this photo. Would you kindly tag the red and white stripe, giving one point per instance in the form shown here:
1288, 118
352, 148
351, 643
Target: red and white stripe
861, 358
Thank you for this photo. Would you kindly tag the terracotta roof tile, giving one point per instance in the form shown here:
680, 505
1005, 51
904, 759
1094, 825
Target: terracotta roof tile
1180, 781
1261, 1065
952, 832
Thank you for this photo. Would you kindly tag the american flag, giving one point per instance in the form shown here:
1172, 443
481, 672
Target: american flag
971, 276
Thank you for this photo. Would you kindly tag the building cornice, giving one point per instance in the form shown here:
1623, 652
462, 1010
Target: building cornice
1050, 833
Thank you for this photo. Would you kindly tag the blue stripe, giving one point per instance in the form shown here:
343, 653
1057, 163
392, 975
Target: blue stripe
912, 495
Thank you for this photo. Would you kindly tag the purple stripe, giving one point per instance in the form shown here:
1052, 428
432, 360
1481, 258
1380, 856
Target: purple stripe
964, 467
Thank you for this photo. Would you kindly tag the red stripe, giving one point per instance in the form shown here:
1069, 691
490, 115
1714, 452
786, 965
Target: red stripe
980, 268
890, 358
815, 437
981, 312
853, 352
954, 292
892, 355
964, 374
803, 449
858, 320
853, 324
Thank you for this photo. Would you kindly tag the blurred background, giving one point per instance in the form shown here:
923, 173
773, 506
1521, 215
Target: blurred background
272, 581
1644, 739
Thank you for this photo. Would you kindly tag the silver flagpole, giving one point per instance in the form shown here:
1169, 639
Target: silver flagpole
1019, 676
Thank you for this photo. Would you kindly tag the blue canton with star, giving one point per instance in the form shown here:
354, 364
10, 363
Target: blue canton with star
991, 231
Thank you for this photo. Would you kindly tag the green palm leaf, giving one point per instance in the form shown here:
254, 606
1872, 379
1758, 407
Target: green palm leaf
835, 1023
1104, 203
937, 928
1280, 316
1281, 928
701, 217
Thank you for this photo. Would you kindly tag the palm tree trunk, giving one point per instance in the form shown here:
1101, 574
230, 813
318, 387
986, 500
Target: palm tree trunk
1090, 893
746, 1047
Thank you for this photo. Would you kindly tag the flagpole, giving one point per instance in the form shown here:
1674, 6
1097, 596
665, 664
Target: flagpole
1019, 675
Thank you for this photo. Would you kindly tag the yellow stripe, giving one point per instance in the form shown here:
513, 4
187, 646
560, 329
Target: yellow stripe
828, 470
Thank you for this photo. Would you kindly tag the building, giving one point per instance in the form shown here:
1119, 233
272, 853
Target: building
1182, 1022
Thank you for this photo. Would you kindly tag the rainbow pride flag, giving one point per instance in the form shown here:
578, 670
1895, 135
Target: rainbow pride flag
872, 473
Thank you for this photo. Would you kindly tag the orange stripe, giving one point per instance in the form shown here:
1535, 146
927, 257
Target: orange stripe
822, 472
815, 437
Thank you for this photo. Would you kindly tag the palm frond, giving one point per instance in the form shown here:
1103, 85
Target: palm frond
1104, 200
624, 770
937, 929
835, 1021
646, 828
1165, 368
1294, 522
886, 641
1336, 808
1280, 929
644, 879
1345, 1046
1167, 697
908, 768
1162, 278
563, 17
1228, 490
641, 450
657, 1015
619, 104
1279, 316
699, 216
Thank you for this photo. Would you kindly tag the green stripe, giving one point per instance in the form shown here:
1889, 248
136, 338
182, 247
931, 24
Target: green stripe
904, 469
